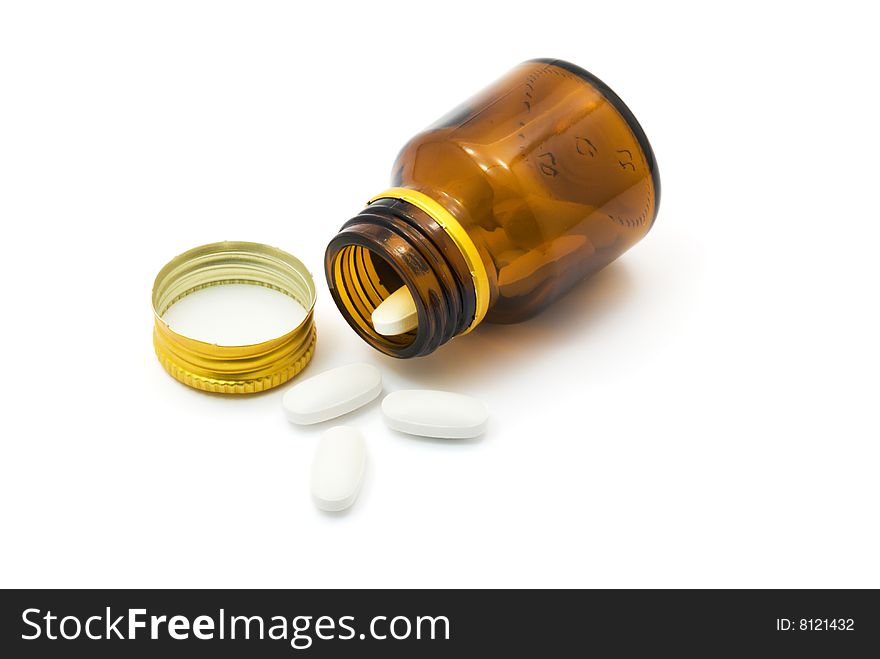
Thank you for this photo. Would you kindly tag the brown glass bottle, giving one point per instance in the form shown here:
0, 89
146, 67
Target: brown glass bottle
500, 207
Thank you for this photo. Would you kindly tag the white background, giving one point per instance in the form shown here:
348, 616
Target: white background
702, 413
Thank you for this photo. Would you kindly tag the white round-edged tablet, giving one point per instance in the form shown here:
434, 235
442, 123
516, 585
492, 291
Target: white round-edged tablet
332, 393
397, 314
435, 413
338, 468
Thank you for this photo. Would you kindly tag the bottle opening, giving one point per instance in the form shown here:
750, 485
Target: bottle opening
390, 245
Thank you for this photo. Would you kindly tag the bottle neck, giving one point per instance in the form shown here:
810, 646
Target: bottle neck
394, 243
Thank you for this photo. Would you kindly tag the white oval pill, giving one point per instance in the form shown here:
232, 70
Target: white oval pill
435, 413
397, 314
338, 468
332, 393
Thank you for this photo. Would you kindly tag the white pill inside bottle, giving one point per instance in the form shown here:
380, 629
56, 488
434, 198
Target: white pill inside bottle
396, 314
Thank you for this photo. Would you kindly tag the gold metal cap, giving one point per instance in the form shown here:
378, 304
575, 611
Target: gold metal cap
233, 369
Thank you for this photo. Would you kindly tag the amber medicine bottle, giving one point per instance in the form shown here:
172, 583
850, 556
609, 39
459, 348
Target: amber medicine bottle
498, 208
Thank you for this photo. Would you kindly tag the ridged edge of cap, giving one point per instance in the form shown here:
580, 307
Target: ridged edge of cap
245, 386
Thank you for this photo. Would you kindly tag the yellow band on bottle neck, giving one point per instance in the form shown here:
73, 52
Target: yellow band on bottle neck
459, 236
